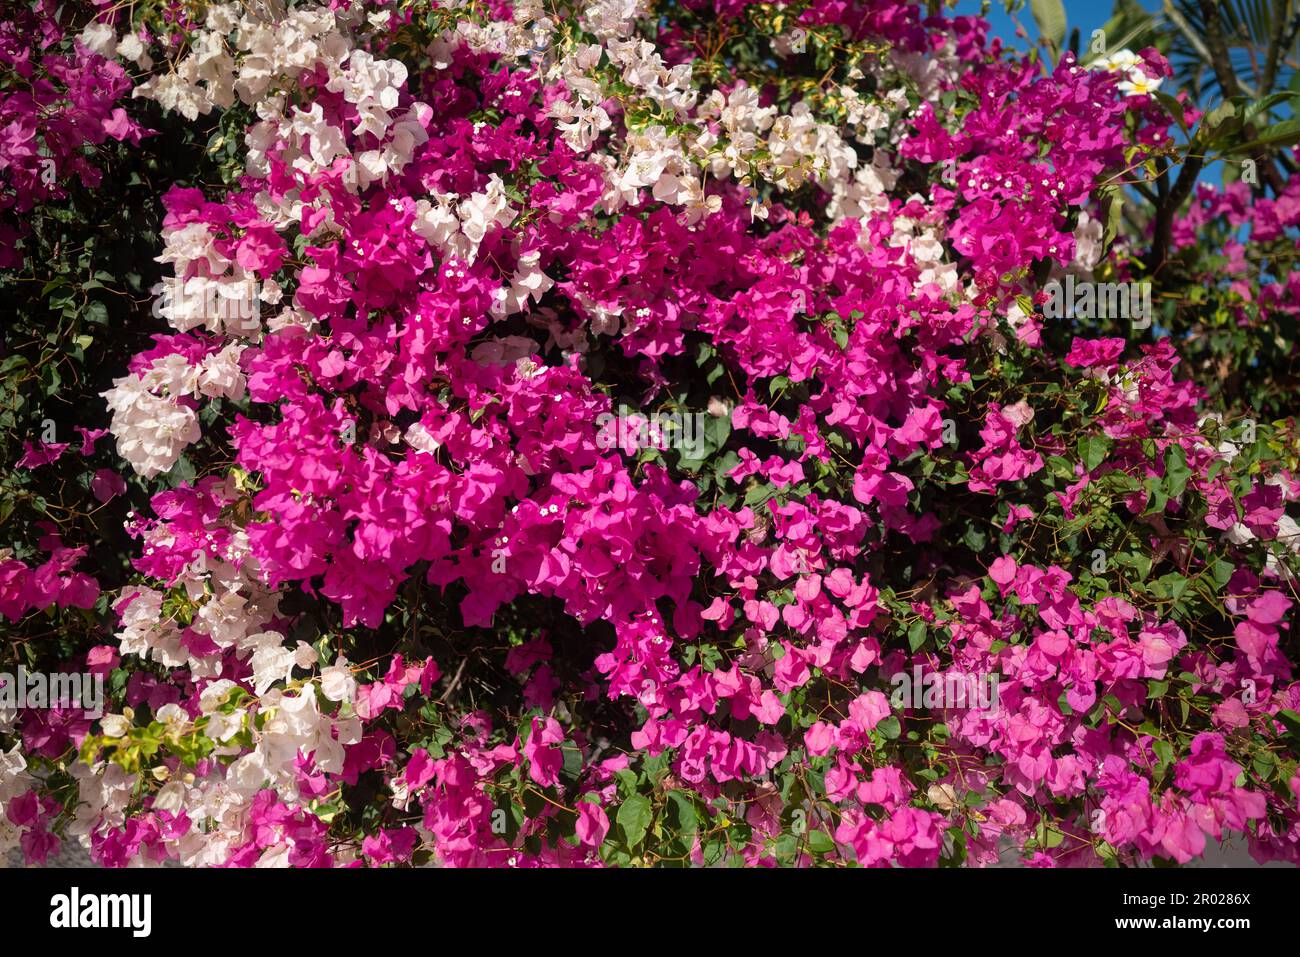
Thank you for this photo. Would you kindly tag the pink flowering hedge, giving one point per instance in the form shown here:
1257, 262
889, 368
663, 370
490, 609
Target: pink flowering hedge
335, 329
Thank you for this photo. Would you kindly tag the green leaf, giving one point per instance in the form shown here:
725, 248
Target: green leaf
758, 494
1221, 571
96, 312
633, 819
572, 760
1292, 722
681, 813
627, 780
1175, 110
1093, 450
1267, 103
1157, 497
1050, 17
819, 842
1113, 198
1218, 116
916, 634
1176, 471
1286, 133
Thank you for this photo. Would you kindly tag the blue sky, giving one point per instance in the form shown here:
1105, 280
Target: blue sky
1087, 15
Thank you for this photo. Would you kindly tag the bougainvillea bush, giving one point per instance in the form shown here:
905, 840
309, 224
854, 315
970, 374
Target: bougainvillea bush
331, 334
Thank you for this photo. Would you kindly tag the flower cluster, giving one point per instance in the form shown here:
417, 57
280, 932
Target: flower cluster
64, 104
412, 605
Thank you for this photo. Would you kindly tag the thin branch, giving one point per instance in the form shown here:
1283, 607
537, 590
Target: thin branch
1168, 208
1219, 58
1275, 42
